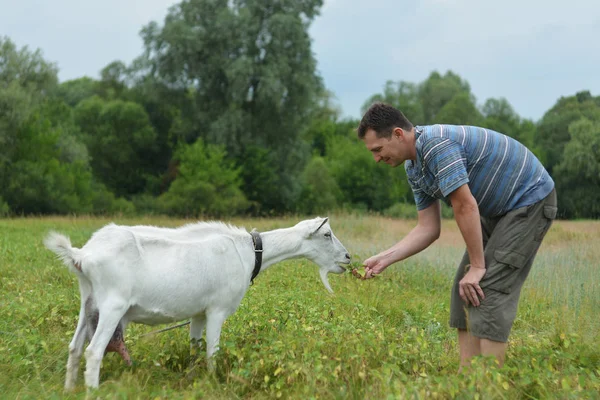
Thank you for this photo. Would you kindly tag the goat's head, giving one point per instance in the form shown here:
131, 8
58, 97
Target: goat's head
324, 249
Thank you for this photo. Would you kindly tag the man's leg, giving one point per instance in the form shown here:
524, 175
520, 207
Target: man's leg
492, 348
469, 347
509, 255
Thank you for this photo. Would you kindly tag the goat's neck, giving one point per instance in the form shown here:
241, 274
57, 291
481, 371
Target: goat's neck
279, 245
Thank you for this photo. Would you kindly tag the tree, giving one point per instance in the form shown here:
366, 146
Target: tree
553, 130
76, 90
577, 175
402, 95
437, 90
252, 75
422, 102
121, 142
49, 170
325, 125
320, 192
363, 183
25, 81
501, 117
206, 183
165, 108
460, 110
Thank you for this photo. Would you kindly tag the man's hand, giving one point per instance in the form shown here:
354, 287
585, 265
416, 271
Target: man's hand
468, 287
374, 266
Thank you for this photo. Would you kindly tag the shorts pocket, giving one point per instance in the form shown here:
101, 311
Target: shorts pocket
503, 271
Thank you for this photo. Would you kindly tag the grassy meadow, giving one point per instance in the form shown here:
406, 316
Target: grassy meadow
385, 338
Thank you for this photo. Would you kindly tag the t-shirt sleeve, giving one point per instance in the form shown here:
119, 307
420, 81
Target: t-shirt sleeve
422, 199
446, 160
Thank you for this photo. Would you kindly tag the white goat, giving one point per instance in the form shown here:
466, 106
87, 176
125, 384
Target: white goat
134, 275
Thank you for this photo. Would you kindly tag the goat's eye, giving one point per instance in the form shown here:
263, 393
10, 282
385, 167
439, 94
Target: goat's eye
328, 235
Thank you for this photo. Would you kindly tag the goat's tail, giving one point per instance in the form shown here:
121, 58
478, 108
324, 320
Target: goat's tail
61, 245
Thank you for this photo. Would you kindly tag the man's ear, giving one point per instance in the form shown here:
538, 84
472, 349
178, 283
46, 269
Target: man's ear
398, 132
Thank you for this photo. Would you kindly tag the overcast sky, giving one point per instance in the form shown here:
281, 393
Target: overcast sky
529, 51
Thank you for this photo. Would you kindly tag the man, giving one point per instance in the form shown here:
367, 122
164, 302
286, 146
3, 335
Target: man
503, 201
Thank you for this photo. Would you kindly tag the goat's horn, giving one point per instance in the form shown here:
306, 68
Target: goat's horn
322, 223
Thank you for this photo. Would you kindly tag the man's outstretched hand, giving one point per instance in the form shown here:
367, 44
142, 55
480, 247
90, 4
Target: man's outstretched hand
374, 266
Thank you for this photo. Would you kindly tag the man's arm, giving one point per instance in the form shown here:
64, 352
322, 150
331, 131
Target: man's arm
466, 213
419, 238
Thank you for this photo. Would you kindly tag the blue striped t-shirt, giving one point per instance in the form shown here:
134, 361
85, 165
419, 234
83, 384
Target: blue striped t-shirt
502, 174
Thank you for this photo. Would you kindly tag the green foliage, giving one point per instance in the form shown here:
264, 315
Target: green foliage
402, 95
120, 137
49, 178
259, 179
164, 107
104, 202
74, 91
459, 110
324, 130
42, 188
447, 99
25, 81
438, 99
383, 338
44, 166
501, 117
240, 74
578, 174
553, 130
42, 177
320, 192
28, 69
568, 136
4, 208
112, 83
365, 184
252, 75
206, 183
437, 90
401, 210
270, 191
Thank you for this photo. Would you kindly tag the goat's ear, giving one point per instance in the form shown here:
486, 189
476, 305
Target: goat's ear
319, 225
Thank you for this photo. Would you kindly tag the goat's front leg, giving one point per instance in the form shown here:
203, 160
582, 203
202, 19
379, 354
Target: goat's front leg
76, 350
110, 315
214, 324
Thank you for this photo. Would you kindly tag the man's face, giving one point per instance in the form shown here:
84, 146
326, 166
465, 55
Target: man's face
392, 151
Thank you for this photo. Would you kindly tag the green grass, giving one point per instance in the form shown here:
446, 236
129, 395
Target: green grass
377, 339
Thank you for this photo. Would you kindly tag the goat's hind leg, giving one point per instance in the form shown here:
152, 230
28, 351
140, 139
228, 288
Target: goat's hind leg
76, 349
117, 342
197, 326
111, 313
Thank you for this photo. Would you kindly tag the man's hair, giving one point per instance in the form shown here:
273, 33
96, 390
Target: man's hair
382, 118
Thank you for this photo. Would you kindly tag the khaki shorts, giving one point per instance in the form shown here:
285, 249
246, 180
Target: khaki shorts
510, 243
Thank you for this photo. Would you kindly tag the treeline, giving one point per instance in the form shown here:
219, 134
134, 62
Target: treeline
224, 113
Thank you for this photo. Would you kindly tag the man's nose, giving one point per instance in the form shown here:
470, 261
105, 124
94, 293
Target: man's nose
377, 157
